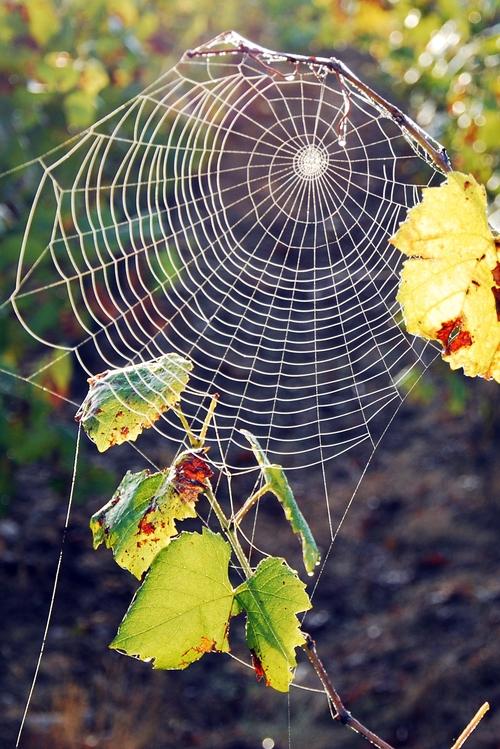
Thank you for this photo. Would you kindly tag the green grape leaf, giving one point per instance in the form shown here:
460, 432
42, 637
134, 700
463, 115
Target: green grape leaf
274, 475
271, 598
121, 403
182, 609
139, 520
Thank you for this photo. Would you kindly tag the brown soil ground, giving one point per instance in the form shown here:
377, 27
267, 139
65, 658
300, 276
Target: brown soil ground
406, 615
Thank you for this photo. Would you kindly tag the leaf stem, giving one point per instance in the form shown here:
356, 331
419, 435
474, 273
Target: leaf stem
342, 715
208, 419
250, 503
199, 441
193, 439
226, 527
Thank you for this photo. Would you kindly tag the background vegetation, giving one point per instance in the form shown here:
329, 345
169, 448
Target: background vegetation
63, 64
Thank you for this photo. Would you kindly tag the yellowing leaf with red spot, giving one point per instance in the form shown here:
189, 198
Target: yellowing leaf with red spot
140, 519
451, 282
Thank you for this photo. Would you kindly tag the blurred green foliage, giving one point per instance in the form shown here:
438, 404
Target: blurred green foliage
441, 58
63, 64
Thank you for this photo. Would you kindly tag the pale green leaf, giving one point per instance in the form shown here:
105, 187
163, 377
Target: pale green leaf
182, 609
274, 475
139, 520
58, 71
271, 598
121, 403
80, 109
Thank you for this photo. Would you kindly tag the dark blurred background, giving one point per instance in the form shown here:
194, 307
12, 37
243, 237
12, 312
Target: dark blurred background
407, 613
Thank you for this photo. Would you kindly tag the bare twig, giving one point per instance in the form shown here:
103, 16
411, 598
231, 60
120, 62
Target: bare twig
341, 714
471, 726
435, 152
345, 717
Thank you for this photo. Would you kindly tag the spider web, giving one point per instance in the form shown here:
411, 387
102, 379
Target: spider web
237, 212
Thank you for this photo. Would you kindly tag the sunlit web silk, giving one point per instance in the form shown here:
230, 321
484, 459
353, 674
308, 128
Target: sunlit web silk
238, 212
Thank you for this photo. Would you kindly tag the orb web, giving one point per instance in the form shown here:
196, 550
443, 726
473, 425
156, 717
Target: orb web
238, 212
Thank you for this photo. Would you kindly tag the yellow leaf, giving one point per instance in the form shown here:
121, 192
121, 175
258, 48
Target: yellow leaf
450, 286
43, 20
94, 77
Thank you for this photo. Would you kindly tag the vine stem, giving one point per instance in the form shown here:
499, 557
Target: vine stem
436, 153
342, 715
226, 527
208, 418
193, 439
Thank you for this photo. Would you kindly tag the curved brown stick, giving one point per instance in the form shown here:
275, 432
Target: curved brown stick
436, 152
345, 717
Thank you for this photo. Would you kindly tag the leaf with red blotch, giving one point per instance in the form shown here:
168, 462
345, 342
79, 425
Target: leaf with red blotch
450, 286
140, 519
257, 667
271, 598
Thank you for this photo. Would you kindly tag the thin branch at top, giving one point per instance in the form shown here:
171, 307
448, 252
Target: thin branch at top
436, 153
